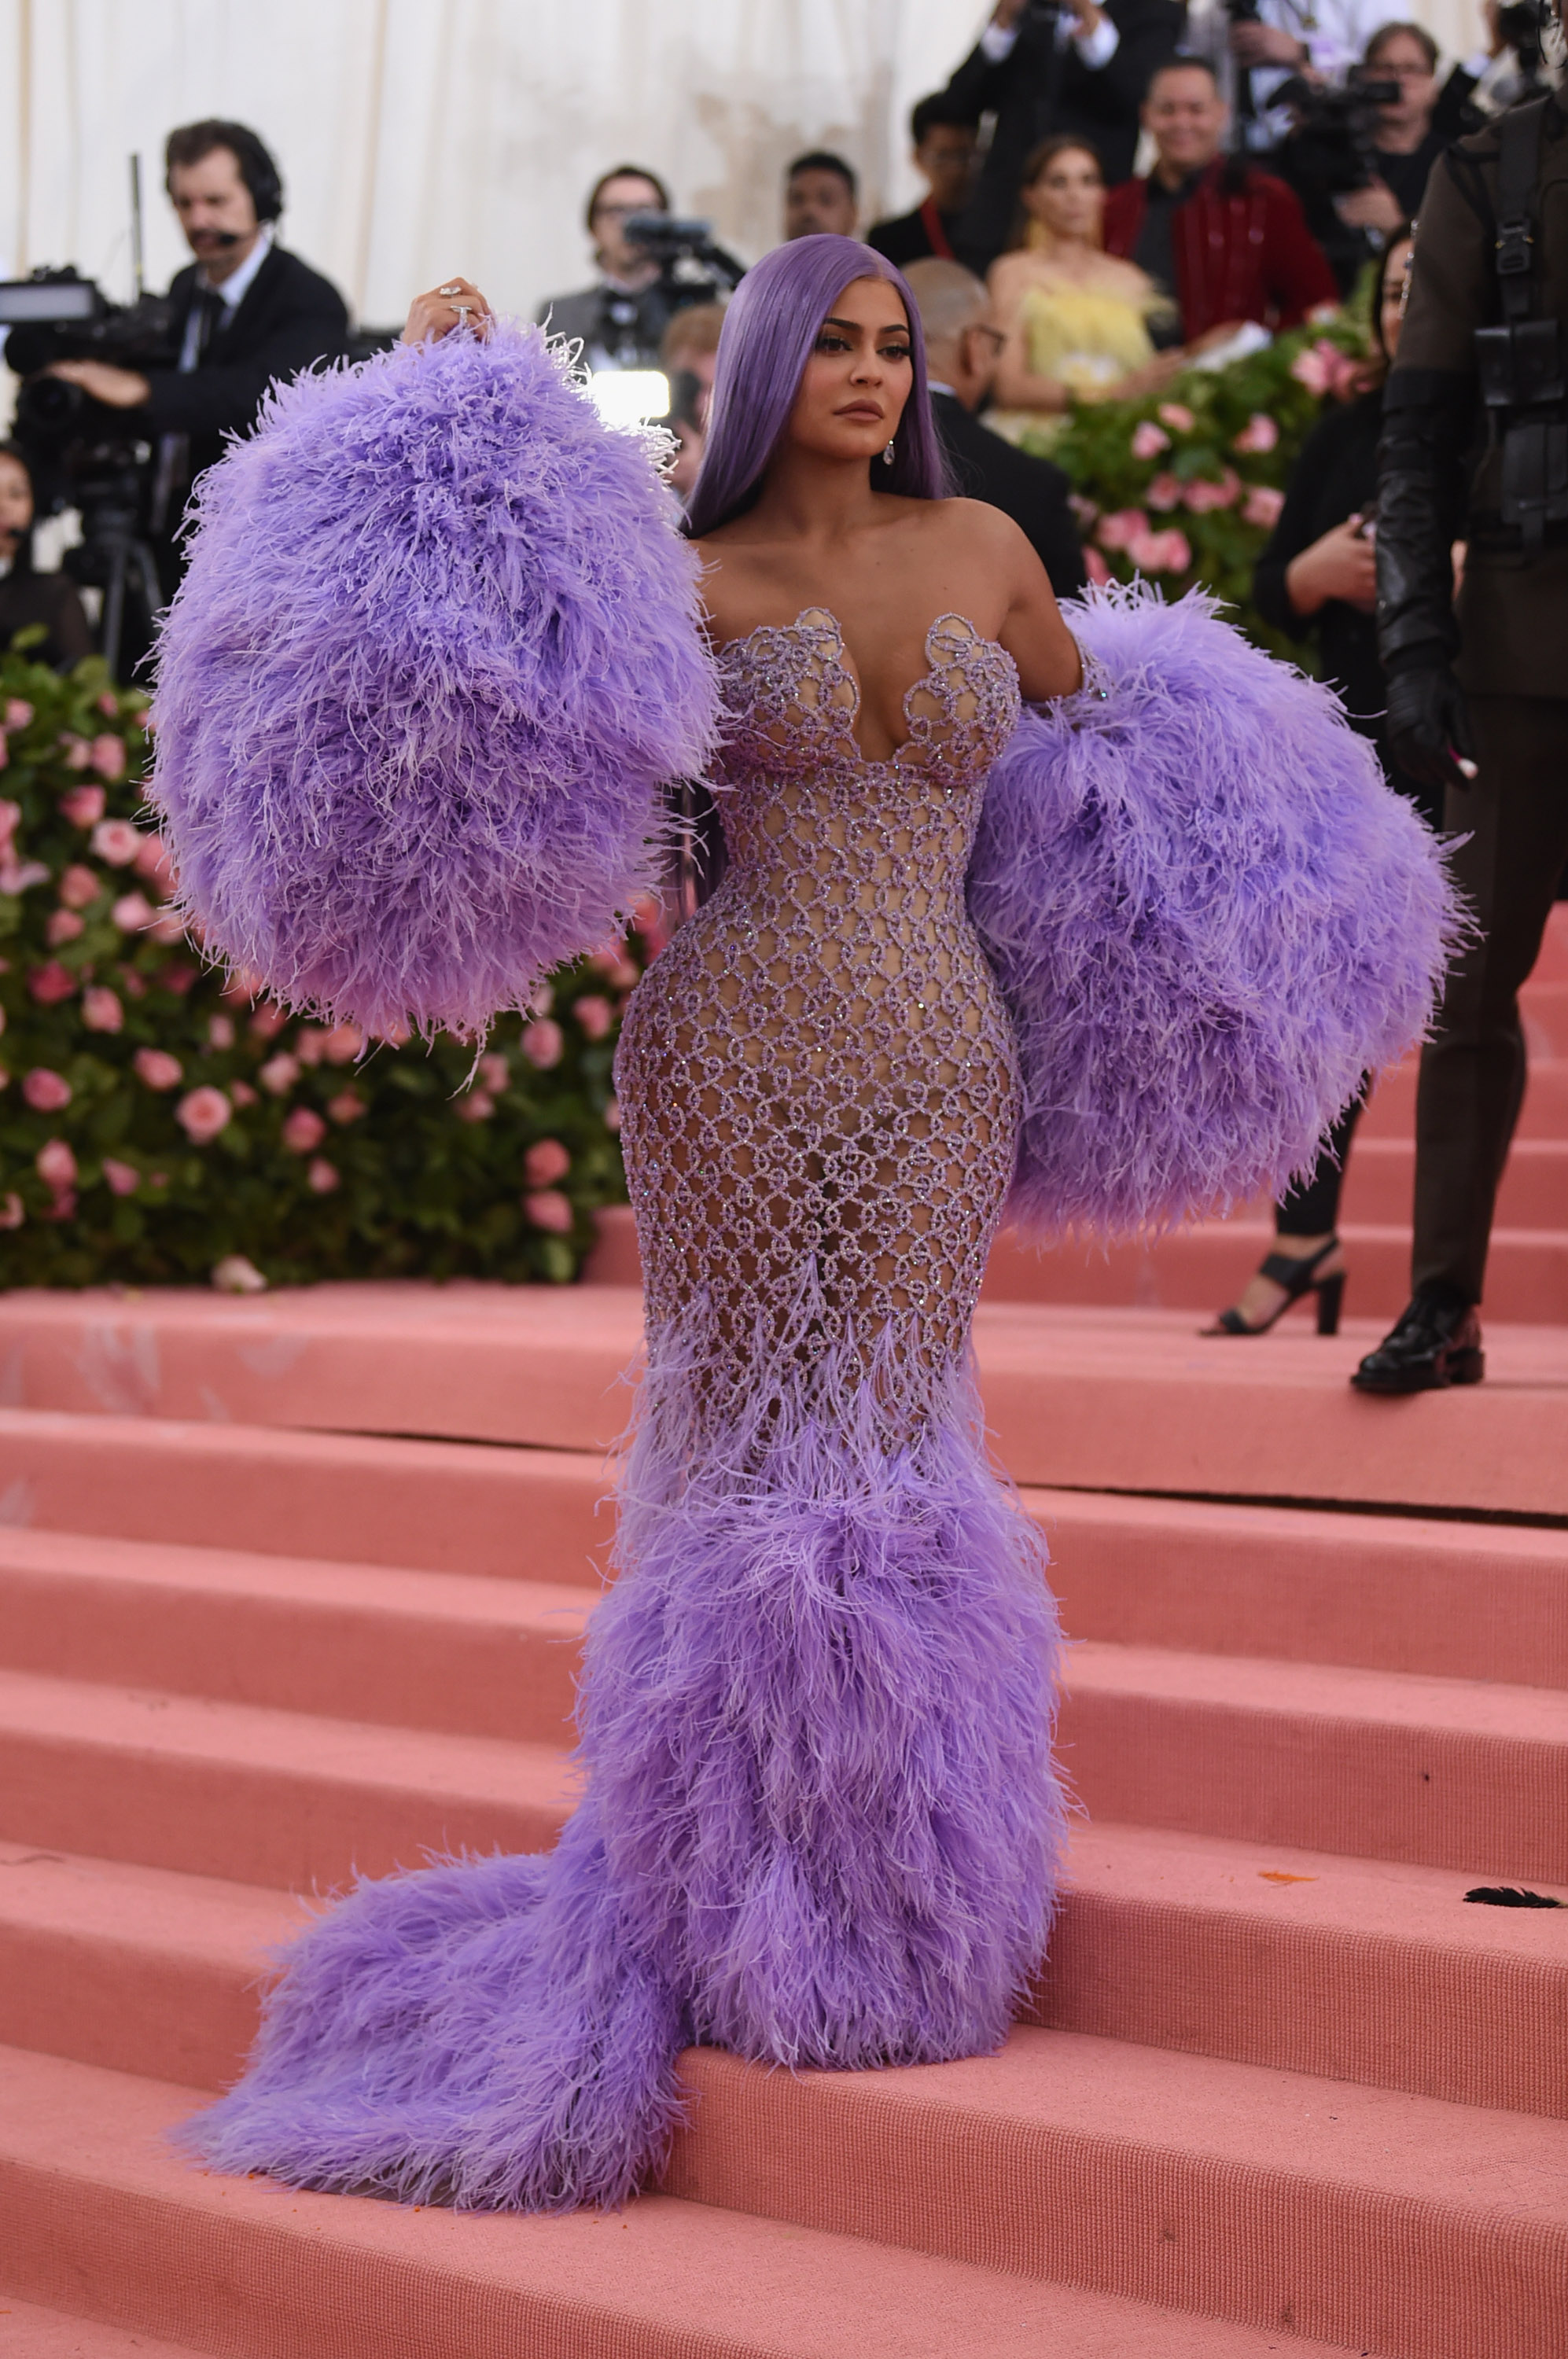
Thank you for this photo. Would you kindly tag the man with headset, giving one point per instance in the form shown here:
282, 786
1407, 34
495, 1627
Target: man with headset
245, 313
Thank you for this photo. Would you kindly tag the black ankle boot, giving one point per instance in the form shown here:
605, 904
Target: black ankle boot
1437, 1343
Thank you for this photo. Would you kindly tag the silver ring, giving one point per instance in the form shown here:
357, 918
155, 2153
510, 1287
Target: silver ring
448, 290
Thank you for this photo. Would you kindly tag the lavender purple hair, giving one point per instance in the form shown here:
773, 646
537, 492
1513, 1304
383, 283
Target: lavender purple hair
769, 332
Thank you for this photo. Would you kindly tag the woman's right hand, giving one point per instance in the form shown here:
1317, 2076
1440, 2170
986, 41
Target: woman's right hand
444, 308
1342, 564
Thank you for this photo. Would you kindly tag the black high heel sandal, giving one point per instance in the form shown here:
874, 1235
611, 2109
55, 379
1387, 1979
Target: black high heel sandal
1295, 1273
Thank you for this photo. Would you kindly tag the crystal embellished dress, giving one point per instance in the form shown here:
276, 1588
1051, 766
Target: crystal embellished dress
820, 1823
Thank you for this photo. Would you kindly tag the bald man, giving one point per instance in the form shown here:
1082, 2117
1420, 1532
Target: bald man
963, 342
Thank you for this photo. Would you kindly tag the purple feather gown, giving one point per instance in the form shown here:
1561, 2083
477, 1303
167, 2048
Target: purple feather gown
821, 1824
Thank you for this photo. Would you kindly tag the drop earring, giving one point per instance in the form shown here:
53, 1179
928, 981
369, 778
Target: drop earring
887, 456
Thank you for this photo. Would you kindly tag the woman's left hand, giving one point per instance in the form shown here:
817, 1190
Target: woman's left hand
447, 306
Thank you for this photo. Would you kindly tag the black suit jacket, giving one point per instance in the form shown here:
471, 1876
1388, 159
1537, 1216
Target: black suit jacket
288, 317
1037, 91
1031, 491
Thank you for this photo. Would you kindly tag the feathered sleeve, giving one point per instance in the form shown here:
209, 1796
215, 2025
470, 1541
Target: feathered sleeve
1209, 916
437, 648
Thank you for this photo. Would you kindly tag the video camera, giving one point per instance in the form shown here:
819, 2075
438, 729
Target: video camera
80, 452
691, 268
1333, 144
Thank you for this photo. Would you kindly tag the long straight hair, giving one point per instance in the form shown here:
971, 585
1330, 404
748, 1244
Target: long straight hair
770, 326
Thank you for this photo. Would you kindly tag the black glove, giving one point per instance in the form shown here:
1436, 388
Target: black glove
1428, 726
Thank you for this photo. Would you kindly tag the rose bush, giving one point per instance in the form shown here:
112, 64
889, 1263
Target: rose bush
155, 1125
1211, 457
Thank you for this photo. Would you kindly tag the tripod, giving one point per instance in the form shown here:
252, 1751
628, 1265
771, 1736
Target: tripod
116, 559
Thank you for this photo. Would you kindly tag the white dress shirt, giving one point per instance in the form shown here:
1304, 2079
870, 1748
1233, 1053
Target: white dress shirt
1096, 49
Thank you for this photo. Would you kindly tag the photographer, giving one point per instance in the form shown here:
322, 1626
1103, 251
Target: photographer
1359, 162
620, 320
1272, 43
1042, 68
244, 314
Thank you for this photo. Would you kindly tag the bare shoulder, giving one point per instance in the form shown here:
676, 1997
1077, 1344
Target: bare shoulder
973, 527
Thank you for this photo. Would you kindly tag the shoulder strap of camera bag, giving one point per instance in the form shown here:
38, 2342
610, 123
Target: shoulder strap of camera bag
1520, 362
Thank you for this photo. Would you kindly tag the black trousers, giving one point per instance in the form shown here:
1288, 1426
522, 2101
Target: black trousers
1473, 1071
1310, 1209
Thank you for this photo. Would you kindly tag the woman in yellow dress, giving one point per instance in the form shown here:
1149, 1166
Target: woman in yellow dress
1077, 320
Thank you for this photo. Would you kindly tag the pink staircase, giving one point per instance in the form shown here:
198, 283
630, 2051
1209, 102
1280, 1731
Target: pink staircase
295, 1584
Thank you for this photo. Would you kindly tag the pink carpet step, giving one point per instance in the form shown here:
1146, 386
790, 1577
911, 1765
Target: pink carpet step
1201, 1269
262, 1797
1544, 1008
437, 1506
1380, 1184
1348, 1969
491, 1658
1097, 1399
101, 2216
28, 2332
360, 1642
1442, 1773
1134, 1400
1459, 1601
1360, 2215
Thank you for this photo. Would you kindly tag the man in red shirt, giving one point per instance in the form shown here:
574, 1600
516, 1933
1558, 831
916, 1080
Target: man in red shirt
1229, 241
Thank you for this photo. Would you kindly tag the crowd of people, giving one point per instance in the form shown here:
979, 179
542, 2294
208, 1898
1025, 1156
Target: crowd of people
1283, 154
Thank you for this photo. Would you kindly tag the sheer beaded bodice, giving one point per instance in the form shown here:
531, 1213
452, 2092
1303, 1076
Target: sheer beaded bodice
817, 1076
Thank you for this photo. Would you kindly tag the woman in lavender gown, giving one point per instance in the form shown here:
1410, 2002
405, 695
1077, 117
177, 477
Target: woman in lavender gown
821, 1825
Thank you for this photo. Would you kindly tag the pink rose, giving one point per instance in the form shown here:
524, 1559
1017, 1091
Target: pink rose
5, 754
236, 1274
1262, 505
323, 1176
109, 705
168, 928
75, 752
542, 1043
1203, 497
1122, 528
547, 1208
101, 1010
1177, 415
46, 1090
107, 757
83, 806
220, 1032
1164, 492
1096, 568
303, 1130
11, 1215
79, 888
115, 840
178, 977
546, 1163
52, 984
1319, 366
478, 1106
157, 1068
311, 1040
132, 912
18, 713
17, 876
56, 1165
269, 1021
342, 1044
347, 1107
202, 1113
1259, 434
124, 1178
594, 1014
10, 819
1148, 441
493, 1071
397, 1036
63, 926
243, 1094
279, 1074
1161, 553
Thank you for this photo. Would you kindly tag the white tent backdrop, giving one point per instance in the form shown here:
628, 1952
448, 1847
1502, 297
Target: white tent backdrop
421, 136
